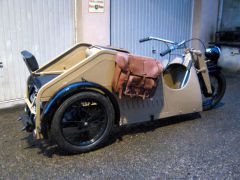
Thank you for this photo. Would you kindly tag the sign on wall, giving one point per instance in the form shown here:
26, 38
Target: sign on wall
96, 6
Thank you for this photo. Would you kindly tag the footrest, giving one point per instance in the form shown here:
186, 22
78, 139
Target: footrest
27, 122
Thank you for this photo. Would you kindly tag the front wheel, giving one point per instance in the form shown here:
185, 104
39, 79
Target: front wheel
83, 122
218, 84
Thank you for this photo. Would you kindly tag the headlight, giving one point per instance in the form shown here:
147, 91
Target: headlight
213, 53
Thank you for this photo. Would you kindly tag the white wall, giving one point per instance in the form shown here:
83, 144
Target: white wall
90, 27
93, 27
45, 28
205, 16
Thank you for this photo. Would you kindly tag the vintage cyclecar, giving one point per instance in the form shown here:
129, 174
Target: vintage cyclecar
78, 97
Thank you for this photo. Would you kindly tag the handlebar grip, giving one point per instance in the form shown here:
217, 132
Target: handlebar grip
165, 52
144, 39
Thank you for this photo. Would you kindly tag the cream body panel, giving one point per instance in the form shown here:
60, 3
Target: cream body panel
185, 100
166, 102
134, 110
65, 60
98, 68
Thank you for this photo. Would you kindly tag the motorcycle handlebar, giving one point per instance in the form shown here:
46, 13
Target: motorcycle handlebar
157, 39
174, 44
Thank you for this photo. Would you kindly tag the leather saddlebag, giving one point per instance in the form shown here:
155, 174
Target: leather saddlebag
136, 76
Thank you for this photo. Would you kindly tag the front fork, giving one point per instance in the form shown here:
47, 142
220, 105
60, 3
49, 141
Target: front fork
203, 72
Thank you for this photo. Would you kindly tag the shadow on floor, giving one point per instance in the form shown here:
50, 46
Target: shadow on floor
48, 149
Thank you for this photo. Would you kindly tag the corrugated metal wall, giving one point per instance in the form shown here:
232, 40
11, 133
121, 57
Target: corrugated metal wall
135, 19
230, 15
45, 28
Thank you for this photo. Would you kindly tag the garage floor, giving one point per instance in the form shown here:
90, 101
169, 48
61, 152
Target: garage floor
199, 146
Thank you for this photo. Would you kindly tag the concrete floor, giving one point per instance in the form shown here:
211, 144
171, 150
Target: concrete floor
200, 146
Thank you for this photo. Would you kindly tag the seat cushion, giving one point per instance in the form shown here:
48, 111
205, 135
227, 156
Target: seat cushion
40, 81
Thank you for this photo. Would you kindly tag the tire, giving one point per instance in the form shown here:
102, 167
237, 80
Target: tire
218, 92
83, 122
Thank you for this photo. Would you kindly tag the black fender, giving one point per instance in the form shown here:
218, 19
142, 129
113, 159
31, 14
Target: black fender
69, 90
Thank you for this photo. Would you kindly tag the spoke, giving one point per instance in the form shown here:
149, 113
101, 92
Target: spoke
83, 122
95, 117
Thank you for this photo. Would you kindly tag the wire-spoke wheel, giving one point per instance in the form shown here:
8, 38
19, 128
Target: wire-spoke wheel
83, 122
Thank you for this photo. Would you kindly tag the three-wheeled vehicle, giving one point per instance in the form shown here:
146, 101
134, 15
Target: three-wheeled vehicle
78, 97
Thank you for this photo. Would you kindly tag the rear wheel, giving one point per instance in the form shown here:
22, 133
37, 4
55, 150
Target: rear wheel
83, 122
218, 84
